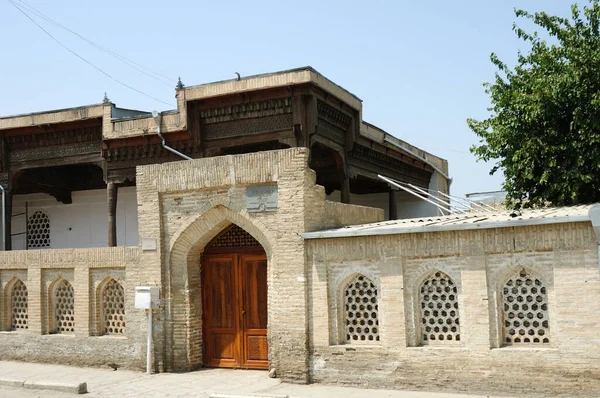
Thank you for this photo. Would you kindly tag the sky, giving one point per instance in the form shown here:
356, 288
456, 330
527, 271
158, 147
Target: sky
418, 66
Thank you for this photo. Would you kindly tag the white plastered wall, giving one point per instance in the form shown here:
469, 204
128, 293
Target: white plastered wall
81, 224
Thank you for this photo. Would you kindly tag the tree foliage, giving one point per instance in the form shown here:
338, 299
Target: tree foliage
544, 127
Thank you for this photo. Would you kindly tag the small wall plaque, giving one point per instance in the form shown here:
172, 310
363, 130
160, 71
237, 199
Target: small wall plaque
148, 244
261, 198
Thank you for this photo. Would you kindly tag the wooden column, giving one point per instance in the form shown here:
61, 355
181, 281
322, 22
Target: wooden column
112, 191
345, 191
348, 146
393, 205
8, 211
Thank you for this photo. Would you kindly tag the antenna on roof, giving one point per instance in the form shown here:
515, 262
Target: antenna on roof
432, 196
410, 191
470, 204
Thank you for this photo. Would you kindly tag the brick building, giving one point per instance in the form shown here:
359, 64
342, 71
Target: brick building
271, 249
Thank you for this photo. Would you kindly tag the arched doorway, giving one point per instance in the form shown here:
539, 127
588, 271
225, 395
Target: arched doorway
234, 301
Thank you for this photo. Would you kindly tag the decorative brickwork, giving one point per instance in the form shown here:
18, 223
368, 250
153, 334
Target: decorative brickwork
525, 305
439, 309
38, 230
65, 308
362, 319
113, 303
19, 301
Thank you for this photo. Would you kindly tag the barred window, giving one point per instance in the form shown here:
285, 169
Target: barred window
38, 230
525, 304
113, 303
361, 316
65, 308
439, 309
18, 299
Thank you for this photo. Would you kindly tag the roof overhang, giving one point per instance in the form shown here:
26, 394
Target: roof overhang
52, 117
286, 78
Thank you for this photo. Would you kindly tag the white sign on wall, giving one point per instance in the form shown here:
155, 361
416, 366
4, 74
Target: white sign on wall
261, 198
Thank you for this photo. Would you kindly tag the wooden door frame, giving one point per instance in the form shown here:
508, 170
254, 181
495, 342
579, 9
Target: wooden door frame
239, 348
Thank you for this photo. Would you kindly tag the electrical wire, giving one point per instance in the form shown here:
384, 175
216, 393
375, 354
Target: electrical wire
85, 60
140, 68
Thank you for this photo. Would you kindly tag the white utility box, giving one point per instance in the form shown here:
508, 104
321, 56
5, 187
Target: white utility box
146, 297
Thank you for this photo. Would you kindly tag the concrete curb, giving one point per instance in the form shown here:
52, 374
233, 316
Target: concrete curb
219, 395
73, 388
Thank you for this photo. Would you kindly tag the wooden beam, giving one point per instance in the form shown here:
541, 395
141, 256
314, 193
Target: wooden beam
144, 140
250, 139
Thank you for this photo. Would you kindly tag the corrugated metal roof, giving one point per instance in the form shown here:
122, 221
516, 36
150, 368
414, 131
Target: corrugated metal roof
499, 219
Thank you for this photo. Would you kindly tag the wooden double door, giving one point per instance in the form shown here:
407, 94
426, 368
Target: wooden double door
234, 295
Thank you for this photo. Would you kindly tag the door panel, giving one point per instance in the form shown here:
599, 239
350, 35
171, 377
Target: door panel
254, 304
221, 317
234, 290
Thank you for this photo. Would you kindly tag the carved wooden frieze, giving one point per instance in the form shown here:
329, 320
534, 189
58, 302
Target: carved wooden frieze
332, 123
379, 163
150, 151
51, 138
240, 127
53, 152
250, 110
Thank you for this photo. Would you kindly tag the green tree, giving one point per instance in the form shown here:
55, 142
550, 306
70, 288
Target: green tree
544, 127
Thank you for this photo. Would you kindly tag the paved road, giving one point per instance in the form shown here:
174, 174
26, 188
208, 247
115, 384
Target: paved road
201, 383
17, 392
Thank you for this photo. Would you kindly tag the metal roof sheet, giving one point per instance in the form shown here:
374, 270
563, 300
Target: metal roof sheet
499, 219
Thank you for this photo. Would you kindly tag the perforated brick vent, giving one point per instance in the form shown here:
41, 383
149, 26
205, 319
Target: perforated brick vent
233, 236
113, 301
439, 309
525, 310
65, 308
18, 299
362, 320
38, 230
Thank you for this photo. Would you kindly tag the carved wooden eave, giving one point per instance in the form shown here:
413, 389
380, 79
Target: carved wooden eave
297, 107
51, 144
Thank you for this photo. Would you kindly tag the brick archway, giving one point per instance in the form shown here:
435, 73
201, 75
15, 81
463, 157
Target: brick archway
184, 314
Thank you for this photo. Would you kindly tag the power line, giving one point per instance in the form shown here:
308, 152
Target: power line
85, 60
140, 68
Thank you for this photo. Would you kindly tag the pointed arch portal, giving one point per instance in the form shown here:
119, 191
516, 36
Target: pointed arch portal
234, 301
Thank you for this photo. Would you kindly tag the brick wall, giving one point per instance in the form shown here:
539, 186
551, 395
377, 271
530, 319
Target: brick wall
563, 256
183, 205
84, 269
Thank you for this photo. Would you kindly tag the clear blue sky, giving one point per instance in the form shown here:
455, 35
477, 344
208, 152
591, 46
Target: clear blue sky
418, 66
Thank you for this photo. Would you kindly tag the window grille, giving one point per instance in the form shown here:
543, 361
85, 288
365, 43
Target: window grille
525, 303
38, 230
65, 308
18, 297
439, 309
233, 236
362, 320
113, 302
